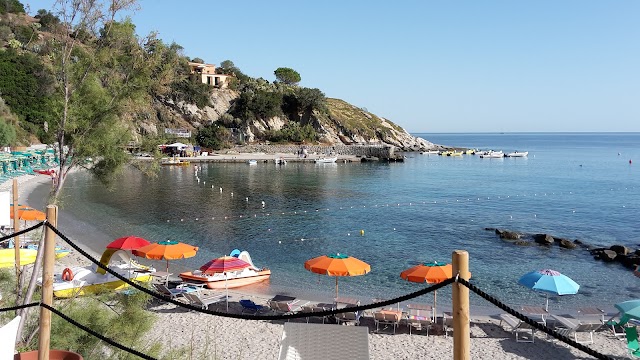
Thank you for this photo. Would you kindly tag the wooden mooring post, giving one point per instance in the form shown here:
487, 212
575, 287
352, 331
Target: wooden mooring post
47, 284
461, 334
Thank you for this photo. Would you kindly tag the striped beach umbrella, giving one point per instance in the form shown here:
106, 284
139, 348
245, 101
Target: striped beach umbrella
224, 264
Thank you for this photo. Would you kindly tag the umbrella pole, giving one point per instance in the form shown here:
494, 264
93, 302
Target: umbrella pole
546, 307
435, 297
226, 290
167, 284
336, 287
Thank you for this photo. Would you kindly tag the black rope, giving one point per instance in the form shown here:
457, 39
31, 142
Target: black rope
532, 322
9, 237
18, 307
245, 316
101, 337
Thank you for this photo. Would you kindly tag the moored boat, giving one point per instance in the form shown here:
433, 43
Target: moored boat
326, 160
430, 152
280, 161
230, 279
492, 154
517, 154
455, 153
174, 161
252, 162
75, 281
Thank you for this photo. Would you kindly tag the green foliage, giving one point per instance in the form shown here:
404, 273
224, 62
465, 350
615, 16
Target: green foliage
124, 320
292, 132
191, 91
197, 60
287, 76
11, 6
7, 133
47, 19
257, 104
23, 33
213, 137
26, 87
6, 33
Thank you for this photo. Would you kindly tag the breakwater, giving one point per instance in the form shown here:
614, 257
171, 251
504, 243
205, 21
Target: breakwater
363, 151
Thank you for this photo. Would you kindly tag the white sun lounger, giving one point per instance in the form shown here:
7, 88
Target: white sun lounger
301, 341
517, 326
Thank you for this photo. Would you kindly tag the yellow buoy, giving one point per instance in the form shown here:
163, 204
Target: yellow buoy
361, 232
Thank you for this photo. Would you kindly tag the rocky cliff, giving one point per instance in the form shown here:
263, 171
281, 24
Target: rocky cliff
344, 123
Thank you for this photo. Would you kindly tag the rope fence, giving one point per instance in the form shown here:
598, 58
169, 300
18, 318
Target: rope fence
290, 316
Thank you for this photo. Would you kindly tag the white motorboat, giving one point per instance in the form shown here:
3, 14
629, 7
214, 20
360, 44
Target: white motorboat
326, 160
82, 280
492, 154
252, 162
280, 161
430, 152
518, 154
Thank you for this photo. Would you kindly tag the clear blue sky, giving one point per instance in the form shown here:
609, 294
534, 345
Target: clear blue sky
431, 66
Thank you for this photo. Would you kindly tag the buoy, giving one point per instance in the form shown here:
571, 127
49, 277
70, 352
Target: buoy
629, 161
263, 203
361, 232
67, 274
246, 199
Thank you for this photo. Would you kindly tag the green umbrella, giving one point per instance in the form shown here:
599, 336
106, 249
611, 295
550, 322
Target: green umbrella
629, 310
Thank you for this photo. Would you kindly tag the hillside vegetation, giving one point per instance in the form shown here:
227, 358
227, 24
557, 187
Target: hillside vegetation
141, 86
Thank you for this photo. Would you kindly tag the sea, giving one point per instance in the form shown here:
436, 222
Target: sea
393, 216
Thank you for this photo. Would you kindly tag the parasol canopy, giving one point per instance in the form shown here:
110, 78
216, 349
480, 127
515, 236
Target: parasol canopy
549, 282
224, 264
166, 250
337, 265
27, 213
128, 243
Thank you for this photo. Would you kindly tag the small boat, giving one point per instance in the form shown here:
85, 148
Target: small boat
471, 151
430, 152
492, 154
174, 161
77, 280
252, 162
517, 154
326, 160
445, 152
455, 153
280, 161
27, 256
230, 279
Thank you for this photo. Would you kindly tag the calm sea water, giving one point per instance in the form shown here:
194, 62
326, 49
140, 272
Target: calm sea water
578, 186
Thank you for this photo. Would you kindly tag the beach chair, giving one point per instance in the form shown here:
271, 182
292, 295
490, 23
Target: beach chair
633, 346
349, 318
617, 329
576, 326
386, 318
203, 302
173, 293
316, 308
285, 307
447, 323
418, 319
250, 306
517, 326
322, 342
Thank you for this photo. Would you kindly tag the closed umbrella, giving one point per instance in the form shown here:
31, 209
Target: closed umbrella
549, 282
337, 265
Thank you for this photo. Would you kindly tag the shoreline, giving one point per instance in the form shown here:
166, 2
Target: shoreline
236, 339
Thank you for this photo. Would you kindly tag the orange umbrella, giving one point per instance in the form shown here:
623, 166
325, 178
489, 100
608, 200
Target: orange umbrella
28, 214
337, 265
431, 273
166, 250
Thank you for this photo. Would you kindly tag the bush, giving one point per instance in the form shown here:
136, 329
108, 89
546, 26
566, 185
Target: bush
259, 104
292, 132
213, 137
11, 6
191, 91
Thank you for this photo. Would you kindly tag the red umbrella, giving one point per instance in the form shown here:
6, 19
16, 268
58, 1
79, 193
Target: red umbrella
224, 264
128, 243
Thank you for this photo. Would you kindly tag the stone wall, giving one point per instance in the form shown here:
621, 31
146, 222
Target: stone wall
379, 151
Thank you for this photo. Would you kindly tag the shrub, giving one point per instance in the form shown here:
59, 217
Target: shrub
213, 137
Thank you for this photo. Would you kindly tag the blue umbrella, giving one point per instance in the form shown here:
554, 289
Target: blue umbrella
549, 282
629, 310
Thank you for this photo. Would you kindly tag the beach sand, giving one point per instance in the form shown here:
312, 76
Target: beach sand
213, 337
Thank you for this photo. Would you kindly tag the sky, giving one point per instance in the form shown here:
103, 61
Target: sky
430, 66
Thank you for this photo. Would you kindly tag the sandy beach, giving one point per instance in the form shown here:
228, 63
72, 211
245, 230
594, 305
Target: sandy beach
211, 337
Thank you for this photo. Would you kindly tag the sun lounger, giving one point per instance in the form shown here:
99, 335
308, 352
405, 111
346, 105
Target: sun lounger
316, 308
575, 326
517, 326
196, 300
173, 293
286, 307
387, 317
250, 306
349, 317
418, 319
322, 342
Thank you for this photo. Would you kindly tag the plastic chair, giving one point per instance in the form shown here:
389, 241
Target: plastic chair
632, 341
248, 305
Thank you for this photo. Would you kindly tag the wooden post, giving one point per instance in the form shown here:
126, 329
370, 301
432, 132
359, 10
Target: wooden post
461, 335
47, 284
16, 240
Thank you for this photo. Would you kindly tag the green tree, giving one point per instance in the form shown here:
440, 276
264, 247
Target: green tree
213, 137
11, 6
47, 19
198, 60
287, 76
7, 133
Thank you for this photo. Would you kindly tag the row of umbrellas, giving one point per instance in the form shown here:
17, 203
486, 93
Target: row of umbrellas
547, 281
